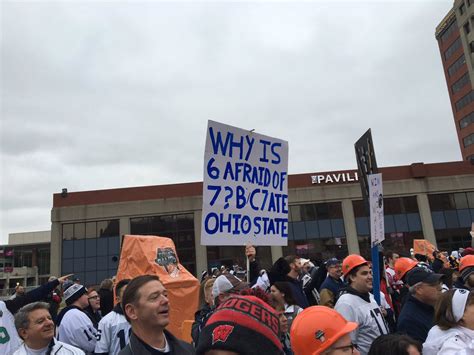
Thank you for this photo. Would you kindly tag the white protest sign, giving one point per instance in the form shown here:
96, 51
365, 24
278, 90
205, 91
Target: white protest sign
377, 226
245, 188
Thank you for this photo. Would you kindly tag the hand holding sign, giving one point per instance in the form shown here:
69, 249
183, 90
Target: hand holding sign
250, 252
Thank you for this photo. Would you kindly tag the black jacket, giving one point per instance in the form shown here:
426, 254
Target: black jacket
37, 294
137, 347
416, 319
200, 320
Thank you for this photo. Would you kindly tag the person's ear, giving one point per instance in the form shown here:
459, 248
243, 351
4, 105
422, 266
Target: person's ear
22, 333
131, 311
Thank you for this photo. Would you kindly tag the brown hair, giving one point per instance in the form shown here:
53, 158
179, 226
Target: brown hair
207, 288
131, 294
107, 284
290, 259
353, 273
444, 317
93, 288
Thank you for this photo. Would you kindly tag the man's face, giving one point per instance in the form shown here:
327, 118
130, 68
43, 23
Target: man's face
152, 308
362, 281
83, 301
20, 290
428, 293
394, 258
335, 271
40, 331
296, 266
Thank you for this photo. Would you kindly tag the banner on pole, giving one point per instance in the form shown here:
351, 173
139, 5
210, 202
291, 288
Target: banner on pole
245, 188
366, 162
377, 227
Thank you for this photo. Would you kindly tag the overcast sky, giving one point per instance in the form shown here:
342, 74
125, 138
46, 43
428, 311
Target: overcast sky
99, 95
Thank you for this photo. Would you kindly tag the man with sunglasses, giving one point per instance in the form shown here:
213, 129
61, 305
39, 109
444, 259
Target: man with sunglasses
333, 283
416, 317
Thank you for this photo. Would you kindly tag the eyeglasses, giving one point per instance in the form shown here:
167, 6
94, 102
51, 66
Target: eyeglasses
94, 297
350, 347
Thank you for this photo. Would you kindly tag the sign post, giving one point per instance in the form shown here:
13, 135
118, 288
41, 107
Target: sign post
472, 234
368, 174
245, 188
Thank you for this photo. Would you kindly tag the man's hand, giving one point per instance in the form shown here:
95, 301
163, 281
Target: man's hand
64, 278
250, 252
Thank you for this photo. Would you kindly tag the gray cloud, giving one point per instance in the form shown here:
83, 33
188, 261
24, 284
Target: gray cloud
106, 94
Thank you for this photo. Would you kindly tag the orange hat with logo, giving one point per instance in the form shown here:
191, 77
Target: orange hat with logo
403, 265
351, 262
316, 329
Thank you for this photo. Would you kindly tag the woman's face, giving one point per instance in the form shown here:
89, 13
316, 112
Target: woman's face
283, 323
208, 296
277, 295
94, 300
412, 350
468, 317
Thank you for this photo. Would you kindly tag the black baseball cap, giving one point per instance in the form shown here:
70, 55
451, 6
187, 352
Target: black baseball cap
421, 274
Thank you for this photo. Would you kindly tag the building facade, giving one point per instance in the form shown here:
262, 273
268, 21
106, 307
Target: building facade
25, 260
326, 218
455, 36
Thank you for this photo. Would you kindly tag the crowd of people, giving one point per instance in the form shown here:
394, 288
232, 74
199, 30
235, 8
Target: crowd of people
426, 307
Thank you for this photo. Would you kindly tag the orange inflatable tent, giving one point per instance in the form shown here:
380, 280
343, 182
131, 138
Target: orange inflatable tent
154, 255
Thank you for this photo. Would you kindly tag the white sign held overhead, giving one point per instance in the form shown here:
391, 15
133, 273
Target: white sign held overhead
245, 188
377, 226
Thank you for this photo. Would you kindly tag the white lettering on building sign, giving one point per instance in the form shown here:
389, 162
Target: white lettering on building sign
335, 178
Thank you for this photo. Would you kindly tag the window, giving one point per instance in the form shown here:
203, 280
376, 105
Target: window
402, 224
458, 85
85, 254
295, 213
471, 47
467, 27
79, 230
462, 9
449, 31
468, 140
453, 48
456, 65
68, 231
452, 215
440, 202
466, 120
464, 101
91, 230
316, 231
43, 261
108, 228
